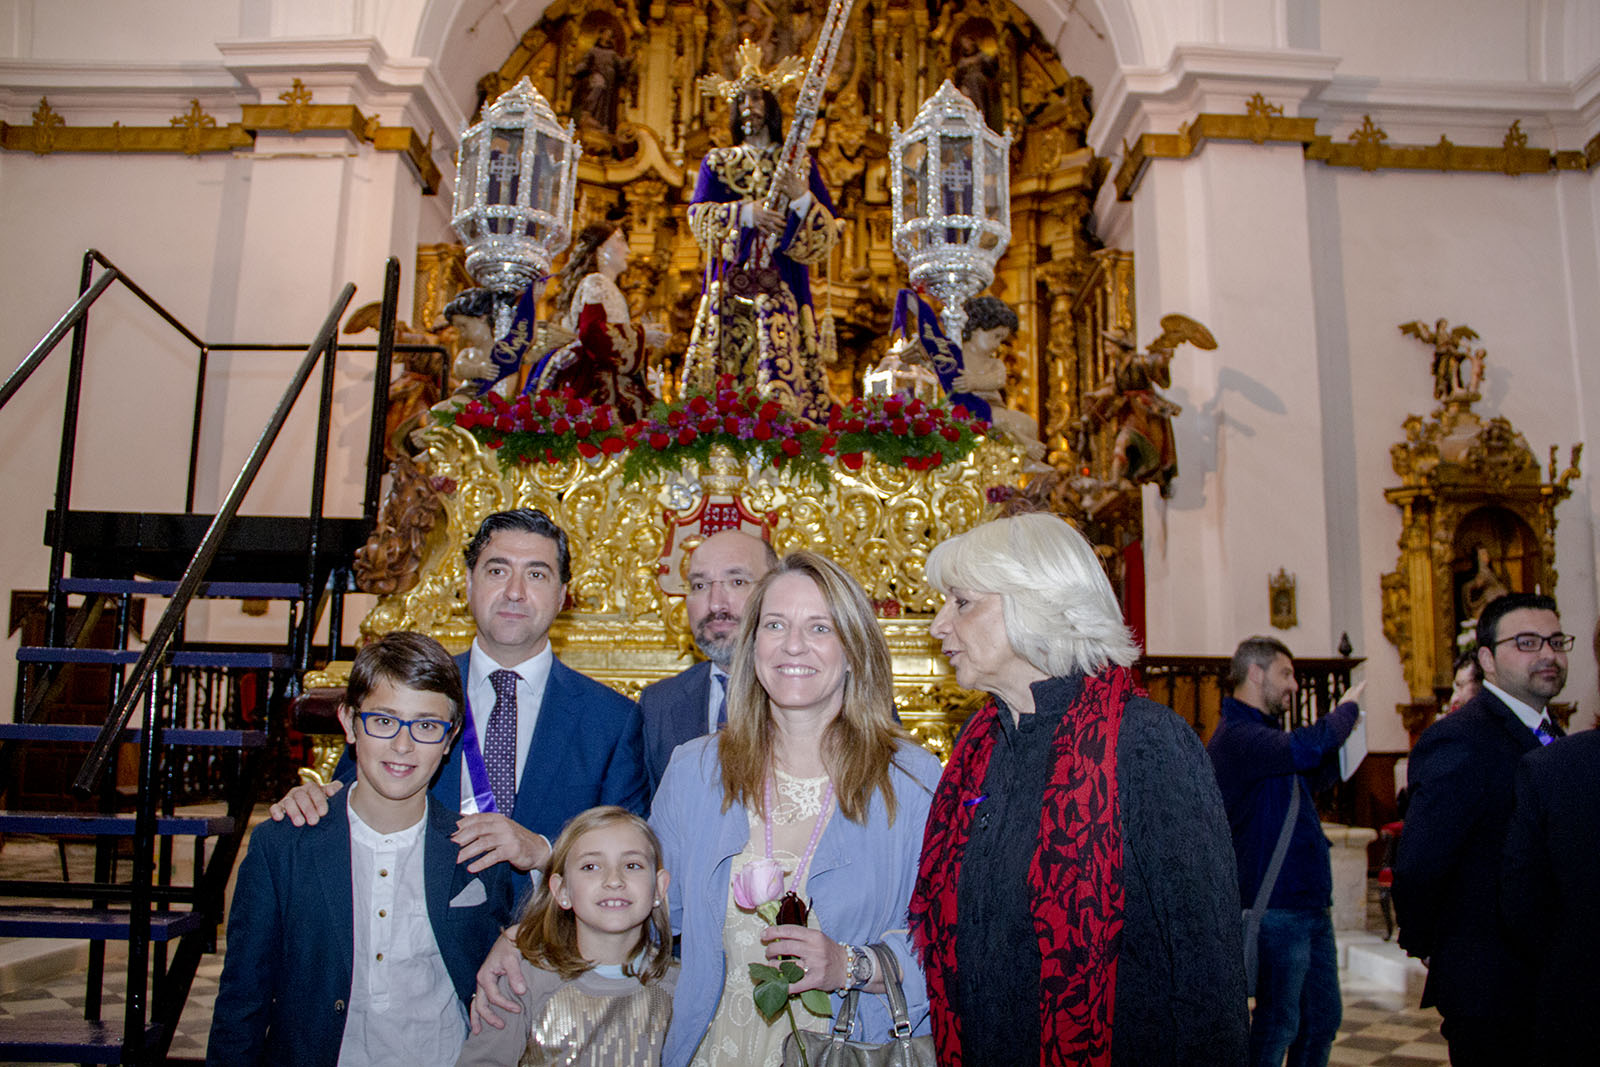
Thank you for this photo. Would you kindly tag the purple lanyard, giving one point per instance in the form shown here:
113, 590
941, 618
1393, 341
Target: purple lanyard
816, 833
472, 755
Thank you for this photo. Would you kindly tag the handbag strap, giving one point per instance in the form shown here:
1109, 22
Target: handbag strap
1264, 893
889, 968
846, 1017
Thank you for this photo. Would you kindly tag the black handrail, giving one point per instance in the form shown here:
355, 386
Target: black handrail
47, 344
161, 638
380, 389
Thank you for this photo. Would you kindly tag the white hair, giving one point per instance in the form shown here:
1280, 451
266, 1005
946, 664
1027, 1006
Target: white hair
1060, 613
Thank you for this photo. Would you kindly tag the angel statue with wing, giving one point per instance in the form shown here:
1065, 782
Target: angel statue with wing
1145, 449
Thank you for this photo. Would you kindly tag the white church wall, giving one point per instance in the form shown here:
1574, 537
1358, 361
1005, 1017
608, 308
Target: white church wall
1482, 250
1230, 249
251, 246
1476, 40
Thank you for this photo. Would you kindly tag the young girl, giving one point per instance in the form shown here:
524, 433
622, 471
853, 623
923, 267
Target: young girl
597, 954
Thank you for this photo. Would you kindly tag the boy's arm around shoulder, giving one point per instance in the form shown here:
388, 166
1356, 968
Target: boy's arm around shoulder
250, 969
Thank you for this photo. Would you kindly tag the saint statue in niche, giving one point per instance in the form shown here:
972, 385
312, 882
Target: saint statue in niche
977, 77
597, 82
1485, 583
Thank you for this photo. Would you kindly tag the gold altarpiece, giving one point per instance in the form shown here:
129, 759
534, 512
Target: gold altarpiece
641, 156
1477, 519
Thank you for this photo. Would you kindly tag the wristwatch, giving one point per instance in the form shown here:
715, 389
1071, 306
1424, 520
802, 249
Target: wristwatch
858, 966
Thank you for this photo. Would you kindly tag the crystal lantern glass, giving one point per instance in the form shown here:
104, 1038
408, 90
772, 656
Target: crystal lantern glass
514, 185
950, 187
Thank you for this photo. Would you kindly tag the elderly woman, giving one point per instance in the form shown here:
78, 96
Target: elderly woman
812, 771
1077, 901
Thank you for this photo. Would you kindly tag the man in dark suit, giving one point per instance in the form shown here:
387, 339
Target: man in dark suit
526, 711
1447, 873
1548, 888
722, 571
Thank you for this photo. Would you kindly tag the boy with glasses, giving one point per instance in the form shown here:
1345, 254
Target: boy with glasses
355, 941
1447, 871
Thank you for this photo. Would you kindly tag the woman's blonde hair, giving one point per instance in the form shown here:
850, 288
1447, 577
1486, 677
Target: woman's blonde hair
1060, 613
859, 744
548, 933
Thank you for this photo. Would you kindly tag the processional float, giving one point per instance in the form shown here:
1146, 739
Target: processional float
876, 486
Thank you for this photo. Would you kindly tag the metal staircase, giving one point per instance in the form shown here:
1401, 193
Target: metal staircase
193, 713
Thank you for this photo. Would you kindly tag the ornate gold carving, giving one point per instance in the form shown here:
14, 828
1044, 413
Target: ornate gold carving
192, 122
1261, 114
389, 561
297, 98
1281, 600
1470, 495
45, 124
1368, 141
1257, 127
195, 132
1367, 147
624, 629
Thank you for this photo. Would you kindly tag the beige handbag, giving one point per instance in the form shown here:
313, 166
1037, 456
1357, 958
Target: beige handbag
835, 1049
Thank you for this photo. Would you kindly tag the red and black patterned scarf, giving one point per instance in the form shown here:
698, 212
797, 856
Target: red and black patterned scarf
1074, 882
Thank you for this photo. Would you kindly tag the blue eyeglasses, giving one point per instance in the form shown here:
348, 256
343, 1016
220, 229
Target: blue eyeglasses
423, 731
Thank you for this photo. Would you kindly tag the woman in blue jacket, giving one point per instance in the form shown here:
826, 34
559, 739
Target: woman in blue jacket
812, 789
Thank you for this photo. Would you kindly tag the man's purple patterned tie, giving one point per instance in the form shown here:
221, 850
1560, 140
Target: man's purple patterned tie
500, 741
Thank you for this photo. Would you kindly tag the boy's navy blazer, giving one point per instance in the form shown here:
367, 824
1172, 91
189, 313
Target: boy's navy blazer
290, 956
587, 750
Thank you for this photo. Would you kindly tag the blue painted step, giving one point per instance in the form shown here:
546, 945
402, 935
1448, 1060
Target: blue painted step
217, 590
85, 924
115, 656
49, 822
64, 1040
89, 734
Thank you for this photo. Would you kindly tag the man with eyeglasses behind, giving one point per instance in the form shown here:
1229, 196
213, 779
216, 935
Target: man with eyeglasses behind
1447, 873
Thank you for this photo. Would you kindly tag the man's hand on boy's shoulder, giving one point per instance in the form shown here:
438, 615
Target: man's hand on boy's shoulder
488, 838
305, 804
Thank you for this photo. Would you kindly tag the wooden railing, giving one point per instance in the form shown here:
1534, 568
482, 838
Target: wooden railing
1194, 686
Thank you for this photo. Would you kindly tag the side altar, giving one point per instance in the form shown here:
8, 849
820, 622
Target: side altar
625, 623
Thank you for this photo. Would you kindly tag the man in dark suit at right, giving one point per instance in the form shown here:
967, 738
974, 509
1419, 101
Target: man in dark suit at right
1548, 889
723, 569
1447, 873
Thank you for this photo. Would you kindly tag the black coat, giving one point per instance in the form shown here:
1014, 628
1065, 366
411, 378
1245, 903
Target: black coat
1447, 872
1548, 890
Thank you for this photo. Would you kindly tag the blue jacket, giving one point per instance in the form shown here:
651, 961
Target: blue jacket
291, 944
1257, 763
860, 883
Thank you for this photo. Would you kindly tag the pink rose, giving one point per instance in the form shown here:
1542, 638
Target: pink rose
758, 883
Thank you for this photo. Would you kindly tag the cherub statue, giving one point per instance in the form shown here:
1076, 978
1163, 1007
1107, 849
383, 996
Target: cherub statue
1452, 377
471, 312
990, 324
1144, 449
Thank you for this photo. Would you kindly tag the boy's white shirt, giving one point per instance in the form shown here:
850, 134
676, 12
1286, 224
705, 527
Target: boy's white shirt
403, 1006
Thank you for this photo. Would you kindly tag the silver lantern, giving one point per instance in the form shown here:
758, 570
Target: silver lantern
514, 183
950, 184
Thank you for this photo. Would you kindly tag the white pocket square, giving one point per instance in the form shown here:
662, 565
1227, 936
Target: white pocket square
471, 896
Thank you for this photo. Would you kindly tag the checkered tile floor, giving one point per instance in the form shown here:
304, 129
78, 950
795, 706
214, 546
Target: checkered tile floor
1381, 1028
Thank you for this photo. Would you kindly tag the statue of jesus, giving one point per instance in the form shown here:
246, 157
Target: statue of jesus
755, 319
